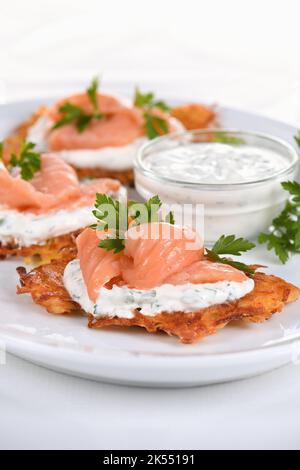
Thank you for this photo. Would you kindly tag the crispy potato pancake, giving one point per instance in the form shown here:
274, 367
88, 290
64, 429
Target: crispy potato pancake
41, 254
45, 284
125, 176
195, 116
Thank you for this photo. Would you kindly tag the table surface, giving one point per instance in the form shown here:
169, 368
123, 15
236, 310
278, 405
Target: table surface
43, 409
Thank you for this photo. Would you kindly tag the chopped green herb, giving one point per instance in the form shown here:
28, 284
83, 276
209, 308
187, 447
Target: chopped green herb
114, 217
112, 244
74, 114
92, 93
294, 189
227, 138
144, 212
284, 234
154, 125
170, 218
28, 161
230, 245
297, 138
1, 150
143, 100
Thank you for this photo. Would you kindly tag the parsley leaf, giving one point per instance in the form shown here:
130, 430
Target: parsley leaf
275, 243
28, 161
114, 217
284, 234
81, 119
297, 138
1, 150
294, 189
227, 138
142, 100
71, 113
170, 218
92, 94
154, 125
145, 212
112, 244
82, 122
230, 245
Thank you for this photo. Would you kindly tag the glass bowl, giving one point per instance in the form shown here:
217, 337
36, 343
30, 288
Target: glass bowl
232, 206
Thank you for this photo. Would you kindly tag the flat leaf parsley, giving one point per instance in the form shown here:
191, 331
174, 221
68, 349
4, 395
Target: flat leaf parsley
154, 125
74, 114
230, 245
28, 161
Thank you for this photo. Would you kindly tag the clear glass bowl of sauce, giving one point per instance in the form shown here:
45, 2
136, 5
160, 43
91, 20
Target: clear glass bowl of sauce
236, 175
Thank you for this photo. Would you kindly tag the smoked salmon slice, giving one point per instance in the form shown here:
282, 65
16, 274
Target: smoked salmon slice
144, 264
120, 125
98, 266
155, 251
55, 186
205, 271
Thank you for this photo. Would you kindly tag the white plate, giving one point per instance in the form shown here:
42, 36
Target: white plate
131, 356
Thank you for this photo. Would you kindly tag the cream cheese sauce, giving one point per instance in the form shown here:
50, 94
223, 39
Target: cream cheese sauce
121, 301
213, 163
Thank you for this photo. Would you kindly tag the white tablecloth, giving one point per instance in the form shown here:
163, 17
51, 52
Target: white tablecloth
236, 53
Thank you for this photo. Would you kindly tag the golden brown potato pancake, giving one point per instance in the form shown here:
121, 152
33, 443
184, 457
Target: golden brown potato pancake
45, 284
41, 254
195, 116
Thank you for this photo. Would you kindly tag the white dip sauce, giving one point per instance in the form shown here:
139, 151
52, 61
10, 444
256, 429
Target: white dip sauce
216, 163
25, 228
121, 301
236, 187
110, 158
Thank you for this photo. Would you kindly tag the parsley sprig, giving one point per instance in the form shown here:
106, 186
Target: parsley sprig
284, 234
228, 138
92, 94
28, 161
154, 125
1, 150
230, 245
115, 217
81, 119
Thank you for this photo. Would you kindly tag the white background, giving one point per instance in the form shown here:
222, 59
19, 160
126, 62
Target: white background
238, 53
242, 53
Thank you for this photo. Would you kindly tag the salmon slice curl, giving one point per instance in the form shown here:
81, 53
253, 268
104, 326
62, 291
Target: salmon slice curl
98, 266
119, 126
55, 186
155, 251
